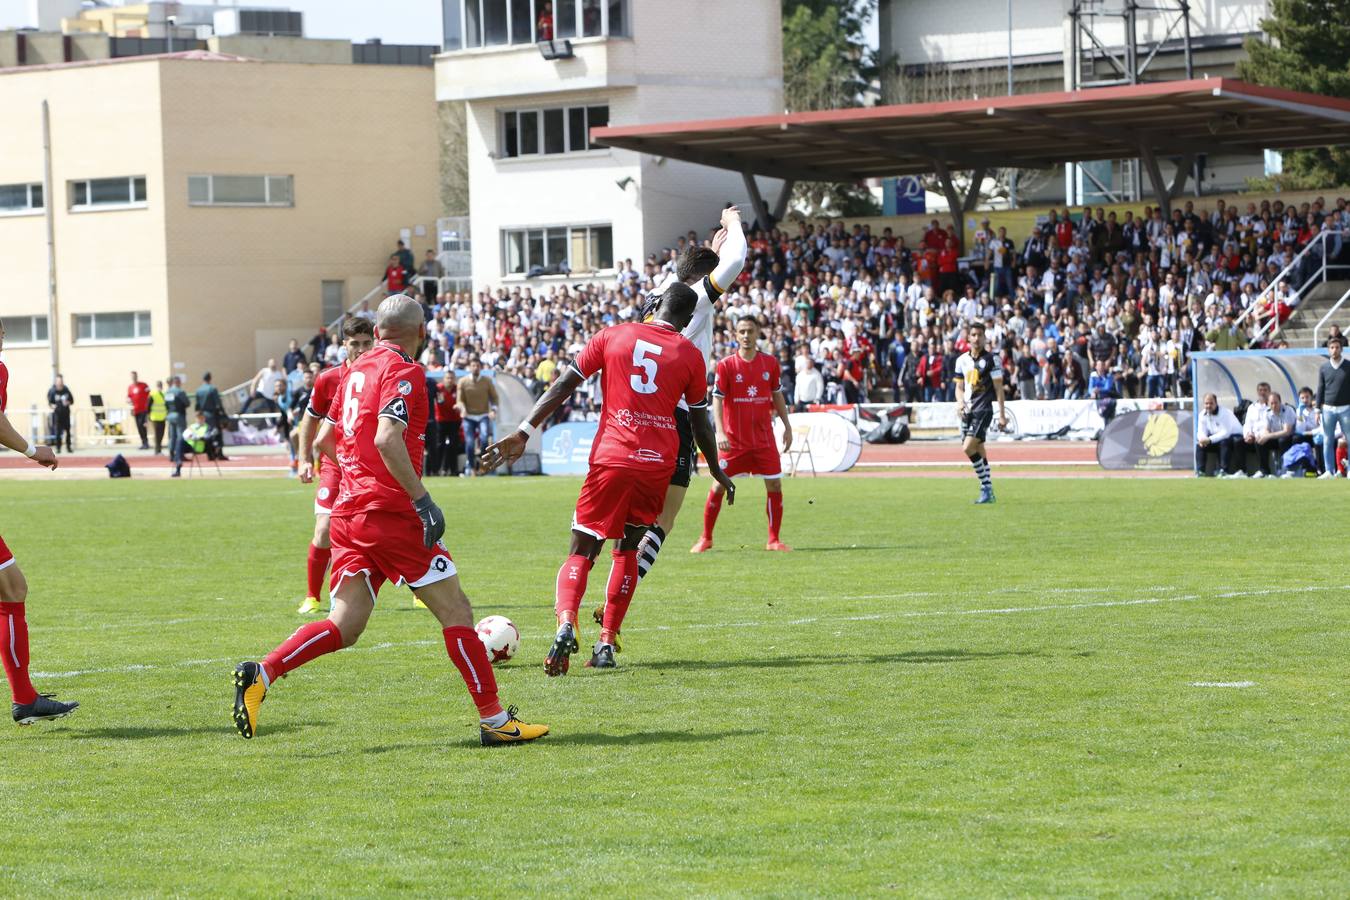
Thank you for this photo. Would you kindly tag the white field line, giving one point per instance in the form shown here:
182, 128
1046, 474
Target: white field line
914, 614
1223, 684
125, 498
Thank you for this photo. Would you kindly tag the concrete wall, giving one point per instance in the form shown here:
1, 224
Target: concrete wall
105, 123
282, 49
213, 278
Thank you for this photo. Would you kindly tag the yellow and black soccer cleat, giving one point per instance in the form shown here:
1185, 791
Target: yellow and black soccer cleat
512, 731
249, 692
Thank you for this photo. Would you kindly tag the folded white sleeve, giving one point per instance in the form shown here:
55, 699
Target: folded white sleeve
731, 260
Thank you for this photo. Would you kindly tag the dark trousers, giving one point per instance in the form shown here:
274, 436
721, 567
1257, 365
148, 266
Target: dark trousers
61, 426
1216, 457
159, 435
141, 419
451, 446
1266, 457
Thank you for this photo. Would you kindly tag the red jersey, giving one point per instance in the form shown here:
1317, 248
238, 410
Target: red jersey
648, 367
139, 397
747, 390
325, 389
383, 384
446, 399
4, 387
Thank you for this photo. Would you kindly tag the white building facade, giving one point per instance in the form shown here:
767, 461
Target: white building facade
544, 200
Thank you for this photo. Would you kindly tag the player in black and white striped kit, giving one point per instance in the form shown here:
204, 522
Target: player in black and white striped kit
979, 381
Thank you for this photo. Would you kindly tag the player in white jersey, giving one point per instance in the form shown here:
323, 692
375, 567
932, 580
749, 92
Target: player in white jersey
710, 272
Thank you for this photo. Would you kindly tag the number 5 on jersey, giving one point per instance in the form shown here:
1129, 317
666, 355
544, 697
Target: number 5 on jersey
645, 382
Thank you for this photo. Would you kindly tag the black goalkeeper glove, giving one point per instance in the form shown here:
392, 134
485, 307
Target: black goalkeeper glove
433, 520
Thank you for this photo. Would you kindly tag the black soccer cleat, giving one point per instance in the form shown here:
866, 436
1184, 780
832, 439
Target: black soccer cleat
43, 709
249, 693
559, 655
602, 657
599, 615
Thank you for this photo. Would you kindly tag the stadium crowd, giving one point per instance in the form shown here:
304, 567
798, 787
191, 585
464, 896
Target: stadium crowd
1095, 305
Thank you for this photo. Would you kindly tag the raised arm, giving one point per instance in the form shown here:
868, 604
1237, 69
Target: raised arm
731, 258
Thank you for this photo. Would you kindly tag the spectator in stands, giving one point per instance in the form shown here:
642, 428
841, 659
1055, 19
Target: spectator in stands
931, 375
431, 272
158, 414
404, 256
810, 387
262, 389
318, 345
176, 407
364, 310
1308, 426
59, 401
1334, 333
138, 396
395, 275
478, 406
1217, 435
1333, 400
295, 357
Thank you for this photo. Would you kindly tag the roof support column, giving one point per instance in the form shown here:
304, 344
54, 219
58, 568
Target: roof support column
784, 197
957, 204
756, 199
1162, 192
1183, 172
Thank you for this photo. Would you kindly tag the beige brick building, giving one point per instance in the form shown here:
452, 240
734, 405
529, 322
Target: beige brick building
206, 208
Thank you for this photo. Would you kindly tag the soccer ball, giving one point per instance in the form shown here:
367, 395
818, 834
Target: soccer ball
500, 637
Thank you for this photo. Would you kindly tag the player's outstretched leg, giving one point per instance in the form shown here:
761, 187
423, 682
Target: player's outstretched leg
353, 601
623, 580
28, 706
570, 589
712, 507
447, 602
773, 508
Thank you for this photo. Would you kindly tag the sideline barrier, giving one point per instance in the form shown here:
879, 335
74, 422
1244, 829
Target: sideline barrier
1027, 419
1156, 439
565, 449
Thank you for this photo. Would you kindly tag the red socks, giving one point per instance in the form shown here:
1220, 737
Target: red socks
711, 508
470, 657
310, 641
623, 580
571, 587
14, 649
317, 566
774, 507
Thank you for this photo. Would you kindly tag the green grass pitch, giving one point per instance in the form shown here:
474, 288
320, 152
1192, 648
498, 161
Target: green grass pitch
926, 698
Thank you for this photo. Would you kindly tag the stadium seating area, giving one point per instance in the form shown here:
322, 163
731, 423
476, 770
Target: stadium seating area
881, 320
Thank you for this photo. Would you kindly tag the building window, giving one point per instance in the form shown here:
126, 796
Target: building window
558, 250
492, 23
104, 192
114, 328
20, 198
25, 331
529, 132
241, 190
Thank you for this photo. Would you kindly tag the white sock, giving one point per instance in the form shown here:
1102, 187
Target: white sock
496, 721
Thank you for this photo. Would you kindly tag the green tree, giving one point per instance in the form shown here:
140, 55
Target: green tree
1307, 48
828, 65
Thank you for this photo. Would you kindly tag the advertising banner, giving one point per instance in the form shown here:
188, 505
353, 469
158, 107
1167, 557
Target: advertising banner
566, 448
834, 441
1154, 439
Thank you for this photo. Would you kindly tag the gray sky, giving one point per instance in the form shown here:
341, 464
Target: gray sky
394, 21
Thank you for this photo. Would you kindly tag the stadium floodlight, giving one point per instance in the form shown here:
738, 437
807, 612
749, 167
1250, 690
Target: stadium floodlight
556, 49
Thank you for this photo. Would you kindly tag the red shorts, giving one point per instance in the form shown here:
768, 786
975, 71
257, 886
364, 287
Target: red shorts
386, 545
330, 477
761, 462
6, 558
612, 498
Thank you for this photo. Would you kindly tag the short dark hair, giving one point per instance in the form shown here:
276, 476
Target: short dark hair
977, 326
753, 320
355, 326
695, 263
1336, 339
679, 300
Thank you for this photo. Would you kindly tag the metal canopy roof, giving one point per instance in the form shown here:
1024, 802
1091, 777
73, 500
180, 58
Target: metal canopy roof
1177, 118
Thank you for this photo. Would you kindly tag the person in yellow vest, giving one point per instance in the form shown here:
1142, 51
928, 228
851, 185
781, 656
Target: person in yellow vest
159, 413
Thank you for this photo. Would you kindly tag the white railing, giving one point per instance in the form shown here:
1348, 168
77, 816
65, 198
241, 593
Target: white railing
1331, 312
1271, 326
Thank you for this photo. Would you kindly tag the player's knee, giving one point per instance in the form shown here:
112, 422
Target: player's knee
773, 485
14, 590
350, 634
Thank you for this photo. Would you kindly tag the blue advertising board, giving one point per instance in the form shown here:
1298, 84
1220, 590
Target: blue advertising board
566, 448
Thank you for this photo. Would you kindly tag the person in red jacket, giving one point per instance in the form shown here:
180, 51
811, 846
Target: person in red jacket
138, 395
930, 372
395, 277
